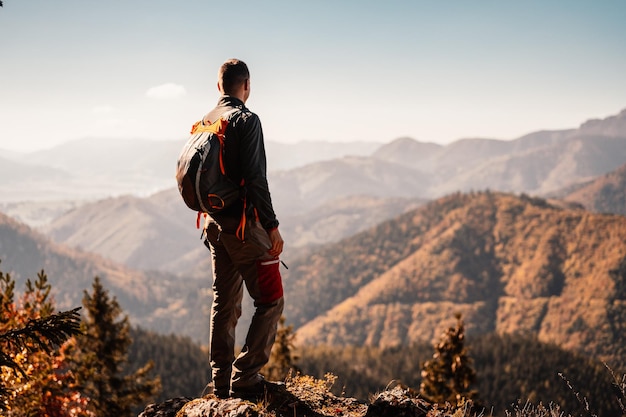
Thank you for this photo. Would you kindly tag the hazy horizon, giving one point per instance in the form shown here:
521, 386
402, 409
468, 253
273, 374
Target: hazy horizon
183, 138
334, 71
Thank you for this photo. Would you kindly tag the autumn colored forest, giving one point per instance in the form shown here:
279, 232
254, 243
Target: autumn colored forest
109, 368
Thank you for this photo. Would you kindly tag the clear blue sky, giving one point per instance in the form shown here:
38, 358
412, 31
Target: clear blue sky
335, 70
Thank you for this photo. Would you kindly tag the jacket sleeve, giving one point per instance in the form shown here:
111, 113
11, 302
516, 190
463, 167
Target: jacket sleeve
254, 171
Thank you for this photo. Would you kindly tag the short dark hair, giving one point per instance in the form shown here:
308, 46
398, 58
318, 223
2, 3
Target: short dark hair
232, 74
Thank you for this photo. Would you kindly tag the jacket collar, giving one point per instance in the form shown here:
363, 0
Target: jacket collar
230, 101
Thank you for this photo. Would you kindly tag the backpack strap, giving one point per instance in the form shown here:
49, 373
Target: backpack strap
219, 128
241, 229
224, 116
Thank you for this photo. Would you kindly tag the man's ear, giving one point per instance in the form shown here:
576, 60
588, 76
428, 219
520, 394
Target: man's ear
219, 88
247, 84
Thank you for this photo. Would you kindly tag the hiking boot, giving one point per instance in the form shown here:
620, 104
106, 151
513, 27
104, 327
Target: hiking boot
222, 393
260, 391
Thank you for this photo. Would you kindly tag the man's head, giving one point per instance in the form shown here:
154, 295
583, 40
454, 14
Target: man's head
233, 79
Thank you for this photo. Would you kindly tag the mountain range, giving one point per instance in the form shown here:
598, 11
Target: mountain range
96, 168
328, 200
308, 174
371, 261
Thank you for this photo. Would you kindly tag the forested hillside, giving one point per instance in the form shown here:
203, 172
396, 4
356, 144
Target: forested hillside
154, 300
181, 363
509, 369
509, 264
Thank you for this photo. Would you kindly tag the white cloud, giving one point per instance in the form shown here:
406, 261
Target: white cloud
166, 91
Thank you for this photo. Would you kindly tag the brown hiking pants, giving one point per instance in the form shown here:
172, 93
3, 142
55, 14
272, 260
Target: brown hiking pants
236, 263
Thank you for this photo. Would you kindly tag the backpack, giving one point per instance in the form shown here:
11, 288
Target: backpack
200, 172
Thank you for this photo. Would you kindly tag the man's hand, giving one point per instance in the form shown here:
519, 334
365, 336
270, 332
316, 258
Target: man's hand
277, 242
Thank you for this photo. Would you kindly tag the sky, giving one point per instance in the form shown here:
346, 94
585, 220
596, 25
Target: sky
338, 70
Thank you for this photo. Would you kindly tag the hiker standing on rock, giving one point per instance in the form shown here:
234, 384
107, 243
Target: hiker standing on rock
245, 245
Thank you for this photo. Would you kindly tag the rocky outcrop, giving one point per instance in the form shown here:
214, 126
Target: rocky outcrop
299, 400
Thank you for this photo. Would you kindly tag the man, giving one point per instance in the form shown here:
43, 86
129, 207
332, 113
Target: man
245, 244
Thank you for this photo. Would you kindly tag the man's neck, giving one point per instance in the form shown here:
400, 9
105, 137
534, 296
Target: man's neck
239, 95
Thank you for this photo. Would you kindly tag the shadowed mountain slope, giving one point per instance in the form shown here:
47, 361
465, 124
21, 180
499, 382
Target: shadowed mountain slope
154, 300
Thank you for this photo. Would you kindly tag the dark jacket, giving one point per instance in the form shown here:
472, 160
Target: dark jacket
244, 158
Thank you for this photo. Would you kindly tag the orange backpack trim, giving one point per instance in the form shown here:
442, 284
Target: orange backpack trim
219, 129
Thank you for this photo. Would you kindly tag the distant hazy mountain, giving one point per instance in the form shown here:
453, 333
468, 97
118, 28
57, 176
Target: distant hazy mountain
340, 218
12, 173
158, 232
73, 174
38, 213
537, 163
311, 173
142, 233
112, 157
408, 152
613, 126
99, 168
119, 158
544, 169
285, 156
605, 194
509, 264
303, 188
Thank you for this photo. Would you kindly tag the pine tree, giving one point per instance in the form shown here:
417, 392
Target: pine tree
101, 356
448, 376
282, 359
34, 376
